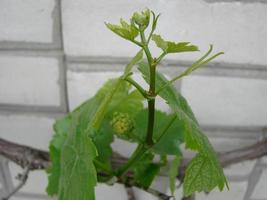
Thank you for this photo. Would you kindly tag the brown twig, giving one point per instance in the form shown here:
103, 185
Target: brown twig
24, 155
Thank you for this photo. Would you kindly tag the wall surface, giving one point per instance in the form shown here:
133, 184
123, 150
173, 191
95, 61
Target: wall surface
55, 54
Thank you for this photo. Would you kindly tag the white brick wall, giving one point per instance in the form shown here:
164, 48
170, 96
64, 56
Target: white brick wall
228, 99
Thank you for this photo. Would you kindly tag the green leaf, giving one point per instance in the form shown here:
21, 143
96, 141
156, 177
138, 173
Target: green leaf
125, 30
102, 141
85, 112
172, 47
61, 128
173, 172
78, 174
145, 170
194, 138
202, 175
168, 132
169, 136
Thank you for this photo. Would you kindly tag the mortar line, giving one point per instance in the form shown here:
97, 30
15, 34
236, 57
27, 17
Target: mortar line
247, 71
65, 94
169, 62
31, 110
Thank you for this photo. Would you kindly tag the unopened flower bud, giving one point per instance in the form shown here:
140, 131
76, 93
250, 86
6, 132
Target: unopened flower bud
121, 123
142, 19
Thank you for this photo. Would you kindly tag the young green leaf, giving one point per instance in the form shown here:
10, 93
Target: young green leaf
197, 64
174, 172
172, 47
194, 138
125, 30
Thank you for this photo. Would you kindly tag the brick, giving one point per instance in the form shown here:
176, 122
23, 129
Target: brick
28, 80
237, 192
142, 195
104, 192
227, 101
261, 187
232, 27
26, 21
35, 131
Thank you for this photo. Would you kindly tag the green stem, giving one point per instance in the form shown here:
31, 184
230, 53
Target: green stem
137, 86
103, 167
145, 47
161, 57
137, 43
142, 148
137, 155
152, 83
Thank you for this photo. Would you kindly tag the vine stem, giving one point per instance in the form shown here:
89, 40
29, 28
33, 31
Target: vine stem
142, 148
137, 155
151, 92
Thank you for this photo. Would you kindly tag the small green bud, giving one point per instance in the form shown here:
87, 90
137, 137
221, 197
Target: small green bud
142, 19
121, 123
